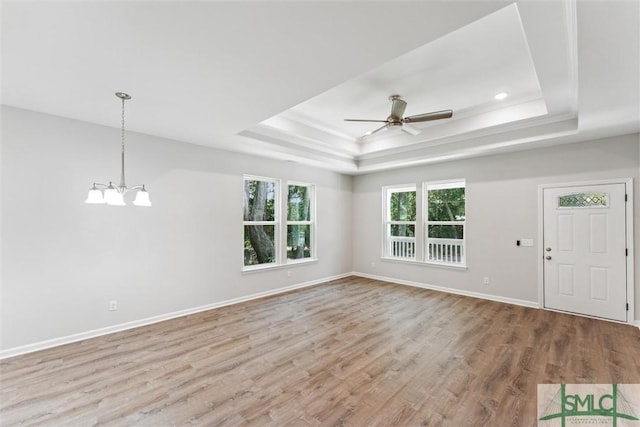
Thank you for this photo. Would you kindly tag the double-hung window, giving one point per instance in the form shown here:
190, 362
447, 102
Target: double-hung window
400, 221
439, 237
261, 226
300, 222
279, 222
444, 222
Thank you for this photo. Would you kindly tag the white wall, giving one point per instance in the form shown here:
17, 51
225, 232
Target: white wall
63, 260
502, 206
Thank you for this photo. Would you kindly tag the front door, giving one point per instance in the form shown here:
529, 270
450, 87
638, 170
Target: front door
585, 250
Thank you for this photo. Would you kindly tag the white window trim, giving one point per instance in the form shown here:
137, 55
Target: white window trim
444, 184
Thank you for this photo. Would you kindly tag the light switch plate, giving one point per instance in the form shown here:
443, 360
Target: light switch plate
526, 242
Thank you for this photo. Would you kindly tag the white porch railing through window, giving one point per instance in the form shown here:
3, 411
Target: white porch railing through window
402, 247
445, 250
438, 250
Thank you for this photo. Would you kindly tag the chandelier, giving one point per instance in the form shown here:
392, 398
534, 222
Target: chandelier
115, 195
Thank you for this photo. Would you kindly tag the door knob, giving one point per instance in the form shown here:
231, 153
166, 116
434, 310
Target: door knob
548, 249
548, 257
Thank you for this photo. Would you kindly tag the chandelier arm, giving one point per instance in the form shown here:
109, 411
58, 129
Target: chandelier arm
125, 190
98, 184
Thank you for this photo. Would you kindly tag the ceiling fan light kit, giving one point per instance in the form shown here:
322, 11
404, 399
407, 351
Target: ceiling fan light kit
395, 119
113, 195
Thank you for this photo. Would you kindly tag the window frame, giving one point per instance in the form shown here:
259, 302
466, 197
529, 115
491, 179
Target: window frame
312, 222
387, 191
442, 185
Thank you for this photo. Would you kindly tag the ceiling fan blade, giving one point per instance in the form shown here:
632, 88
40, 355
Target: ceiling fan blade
436, 115
410, 130
365, 120
374, 131
397, 107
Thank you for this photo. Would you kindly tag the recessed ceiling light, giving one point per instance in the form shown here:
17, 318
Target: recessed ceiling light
501, 96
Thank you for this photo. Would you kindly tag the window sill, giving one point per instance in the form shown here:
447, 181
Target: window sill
293, 263
425, 263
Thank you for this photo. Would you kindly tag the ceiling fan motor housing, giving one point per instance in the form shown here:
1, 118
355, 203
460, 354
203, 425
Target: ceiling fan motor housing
396, 119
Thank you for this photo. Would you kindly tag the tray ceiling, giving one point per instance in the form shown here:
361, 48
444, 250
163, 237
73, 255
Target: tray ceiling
277, 78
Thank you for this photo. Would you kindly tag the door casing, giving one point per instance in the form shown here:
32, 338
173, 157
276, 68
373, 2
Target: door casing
628, 182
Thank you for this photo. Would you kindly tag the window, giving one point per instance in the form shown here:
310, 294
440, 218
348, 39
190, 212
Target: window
260, 221
279, 223
444, 222
400, 221
440, 237
300, 221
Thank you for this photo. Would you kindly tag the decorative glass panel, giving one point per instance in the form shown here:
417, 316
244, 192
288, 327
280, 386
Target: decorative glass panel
583, 200
298, 241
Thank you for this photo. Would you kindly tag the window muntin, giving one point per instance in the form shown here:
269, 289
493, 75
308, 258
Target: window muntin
400, 222
300, 225
260, 221
445, 222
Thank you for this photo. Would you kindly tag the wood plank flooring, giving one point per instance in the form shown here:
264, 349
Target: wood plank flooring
353, 352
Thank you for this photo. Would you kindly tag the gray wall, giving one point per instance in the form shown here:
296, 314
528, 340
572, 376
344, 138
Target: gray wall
502, 206
63, 260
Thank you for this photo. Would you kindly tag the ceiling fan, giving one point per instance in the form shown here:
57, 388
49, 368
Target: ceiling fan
395, 118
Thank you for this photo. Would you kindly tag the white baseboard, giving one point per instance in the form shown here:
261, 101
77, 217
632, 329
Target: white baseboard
29, 348
515, 301
525, 303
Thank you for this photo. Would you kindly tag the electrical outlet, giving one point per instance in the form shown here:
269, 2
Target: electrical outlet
485, 281
113, 305
373, 264
289, 273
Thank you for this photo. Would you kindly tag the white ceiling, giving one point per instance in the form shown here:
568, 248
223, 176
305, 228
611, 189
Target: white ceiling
278, 78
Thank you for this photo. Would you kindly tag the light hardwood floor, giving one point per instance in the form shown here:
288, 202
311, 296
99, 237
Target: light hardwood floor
350, 352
